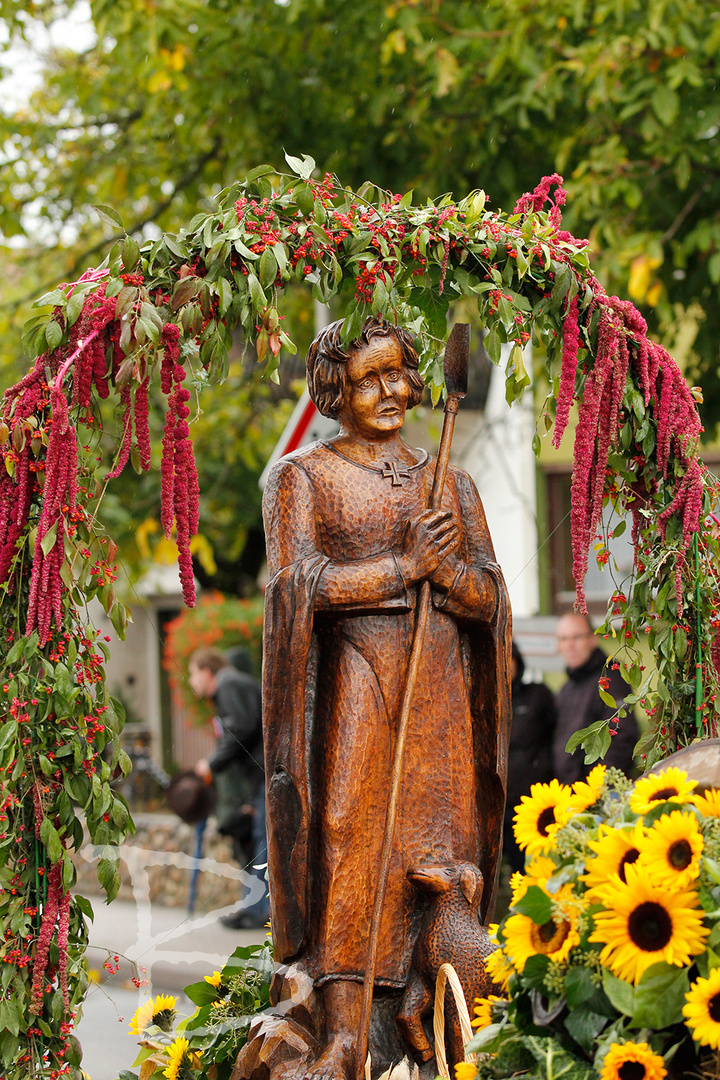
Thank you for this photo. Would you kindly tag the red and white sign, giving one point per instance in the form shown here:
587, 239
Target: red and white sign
306, 425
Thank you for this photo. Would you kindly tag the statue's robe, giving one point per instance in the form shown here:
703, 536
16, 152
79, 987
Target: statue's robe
339, 623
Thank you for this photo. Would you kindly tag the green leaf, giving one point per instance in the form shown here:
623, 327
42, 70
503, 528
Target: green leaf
130, 253
49, 539
185, 289
303, 166
108, 215
434, 308
536, 905
51, 839
305, 200
491, 341
119, 618
594, 739
607, 698
660, 996
53, 334
579, 986
535, 970
201, 993
563, 278
584, 1026
256, 292
620, 993
268, 268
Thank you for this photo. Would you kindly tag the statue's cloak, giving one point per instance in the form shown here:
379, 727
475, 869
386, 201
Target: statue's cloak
291, 656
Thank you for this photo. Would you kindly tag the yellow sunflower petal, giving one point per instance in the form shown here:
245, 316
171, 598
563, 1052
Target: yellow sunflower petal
639, 1053
484, 1011
672, 850
702, 1010
499, 968
709, 802
555, 938
215, 979
670, 785
585, 793
615, 850
180, 1055
644, 923
465, 1070
143, 1017
540, 815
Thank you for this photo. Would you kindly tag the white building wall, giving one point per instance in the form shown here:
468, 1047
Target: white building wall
497, 452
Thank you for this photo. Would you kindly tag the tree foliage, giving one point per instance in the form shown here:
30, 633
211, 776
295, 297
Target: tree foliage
176, 101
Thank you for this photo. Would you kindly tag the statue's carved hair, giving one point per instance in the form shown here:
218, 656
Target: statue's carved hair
327, 358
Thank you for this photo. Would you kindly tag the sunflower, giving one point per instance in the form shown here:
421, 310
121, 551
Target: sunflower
670, 785
632, 1061
554, 938
484, 1010
500, 969
215, 979
465, 1070
537, 872
183, 1061
702, 1010
672, 850
645, 924
587, 792
615, 850
159, 1013
709, 802
540, 815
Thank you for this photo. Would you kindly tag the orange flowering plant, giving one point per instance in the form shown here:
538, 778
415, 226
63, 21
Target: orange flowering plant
216, 621
610, 951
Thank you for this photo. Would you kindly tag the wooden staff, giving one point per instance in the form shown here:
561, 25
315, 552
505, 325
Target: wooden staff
456, 360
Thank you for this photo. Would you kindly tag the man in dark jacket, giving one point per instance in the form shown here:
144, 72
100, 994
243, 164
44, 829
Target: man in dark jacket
530, 758
236, 766
579, 703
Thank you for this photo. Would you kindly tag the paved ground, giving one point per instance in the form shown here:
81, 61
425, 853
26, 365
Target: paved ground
176, 949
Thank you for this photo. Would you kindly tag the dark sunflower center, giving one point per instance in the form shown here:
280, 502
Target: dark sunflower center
680, 855
631, 1070
664, 794
547, 931
629, 857
548, 937
547, 817
164, 1019
650, 926
714, 1008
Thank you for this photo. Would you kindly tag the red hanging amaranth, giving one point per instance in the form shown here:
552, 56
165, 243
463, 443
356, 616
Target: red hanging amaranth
179, 482
47, 927
566, 392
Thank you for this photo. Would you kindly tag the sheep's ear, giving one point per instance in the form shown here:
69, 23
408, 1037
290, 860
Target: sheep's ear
468, 885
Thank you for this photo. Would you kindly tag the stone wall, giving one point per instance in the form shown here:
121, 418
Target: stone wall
156, 865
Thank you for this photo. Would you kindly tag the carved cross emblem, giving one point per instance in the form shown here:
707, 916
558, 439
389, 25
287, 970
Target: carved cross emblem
393, 474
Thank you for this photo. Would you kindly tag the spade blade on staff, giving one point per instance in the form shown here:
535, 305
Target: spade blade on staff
457, 354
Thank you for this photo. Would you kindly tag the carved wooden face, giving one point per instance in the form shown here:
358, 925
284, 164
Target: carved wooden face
378, 390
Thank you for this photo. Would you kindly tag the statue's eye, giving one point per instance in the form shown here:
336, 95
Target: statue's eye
366, 384
393, 376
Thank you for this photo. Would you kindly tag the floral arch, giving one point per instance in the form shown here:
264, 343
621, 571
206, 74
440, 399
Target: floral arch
165, 311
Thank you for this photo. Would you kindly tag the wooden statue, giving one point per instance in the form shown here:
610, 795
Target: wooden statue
349, 540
